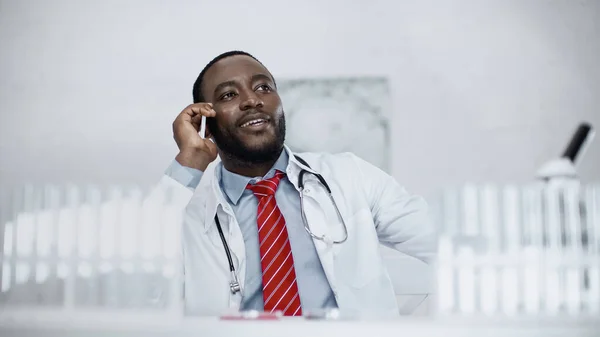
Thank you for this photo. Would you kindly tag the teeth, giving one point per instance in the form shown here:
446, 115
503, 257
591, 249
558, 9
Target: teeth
252, 122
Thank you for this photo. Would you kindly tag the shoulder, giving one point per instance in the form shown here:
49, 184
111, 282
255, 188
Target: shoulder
343, 165
319, 160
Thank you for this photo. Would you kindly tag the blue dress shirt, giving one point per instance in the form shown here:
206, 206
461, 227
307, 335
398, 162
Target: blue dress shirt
315, 291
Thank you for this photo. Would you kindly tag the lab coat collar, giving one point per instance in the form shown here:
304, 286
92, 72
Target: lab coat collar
218, 198
297, 165
234, 184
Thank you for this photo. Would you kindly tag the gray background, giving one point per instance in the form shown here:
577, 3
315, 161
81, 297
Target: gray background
480, 90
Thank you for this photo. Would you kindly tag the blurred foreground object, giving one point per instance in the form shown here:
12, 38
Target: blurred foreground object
82, 260
78, 260
520, 250
70, 249
527, 250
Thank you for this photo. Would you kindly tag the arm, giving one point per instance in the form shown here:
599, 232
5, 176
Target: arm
195, 153
180, 182
402, 220
184, 175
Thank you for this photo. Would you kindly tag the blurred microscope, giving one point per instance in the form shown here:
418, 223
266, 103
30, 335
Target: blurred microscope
523, 250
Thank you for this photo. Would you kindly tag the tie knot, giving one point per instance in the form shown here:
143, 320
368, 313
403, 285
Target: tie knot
266, 187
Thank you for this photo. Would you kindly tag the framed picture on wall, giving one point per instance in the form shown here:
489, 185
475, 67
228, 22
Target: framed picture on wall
339, 115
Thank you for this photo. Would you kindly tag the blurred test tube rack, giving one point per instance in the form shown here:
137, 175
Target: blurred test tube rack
528, 250
105, 250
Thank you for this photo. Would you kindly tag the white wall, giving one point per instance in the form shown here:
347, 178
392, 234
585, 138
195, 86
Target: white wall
482, 90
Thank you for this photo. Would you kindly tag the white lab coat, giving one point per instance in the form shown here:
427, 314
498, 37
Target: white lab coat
376, 210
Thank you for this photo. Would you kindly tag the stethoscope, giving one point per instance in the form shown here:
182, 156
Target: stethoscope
234, 284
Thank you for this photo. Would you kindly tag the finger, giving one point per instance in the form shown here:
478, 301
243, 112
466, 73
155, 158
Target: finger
185, 115
208, 111
193, 109
196, 126
203, 109
197, 119
211, 146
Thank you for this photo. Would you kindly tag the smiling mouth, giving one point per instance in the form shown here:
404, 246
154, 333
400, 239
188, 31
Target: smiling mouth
254, 122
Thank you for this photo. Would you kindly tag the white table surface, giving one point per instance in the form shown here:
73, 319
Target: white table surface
77, 325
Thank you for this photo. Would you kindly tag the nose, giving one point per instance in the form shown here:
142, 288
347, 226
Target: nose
251, 101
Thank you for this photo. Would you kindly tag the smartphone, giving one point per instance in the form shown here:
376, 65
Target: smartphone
203, 127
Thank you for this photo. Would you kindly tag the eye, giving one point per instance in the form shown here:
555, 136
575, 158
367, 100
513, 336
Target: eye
264, 87
227, 95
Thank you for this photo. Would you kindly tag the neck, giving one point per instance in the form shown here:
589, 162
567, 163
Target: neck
246, 168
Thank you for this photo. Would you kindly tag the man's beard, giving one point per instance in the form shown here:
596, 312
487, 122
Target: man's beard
234, 149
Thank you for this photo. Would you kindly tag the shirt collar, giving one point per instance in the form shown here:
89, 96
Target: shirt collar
234, 184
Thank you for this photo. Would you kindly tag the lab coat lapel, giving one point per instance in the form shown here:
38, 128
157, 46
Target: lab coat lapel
314, 196
230, 228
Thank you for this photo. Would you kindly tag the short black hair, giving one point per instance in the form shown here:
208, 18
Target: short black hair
197, 89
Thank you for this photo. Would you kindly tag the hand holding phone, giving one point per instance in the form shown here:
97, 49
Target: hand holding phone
196, 149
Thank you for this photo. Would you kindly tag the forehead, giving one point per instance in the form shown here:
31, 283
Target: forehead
233, 68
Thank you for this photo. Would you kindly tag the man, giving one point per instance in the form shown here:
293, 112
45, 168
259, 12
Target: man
253, 195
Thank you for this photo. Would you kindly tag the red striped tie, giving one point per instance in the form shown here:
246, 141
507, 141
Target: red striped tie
280, 290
